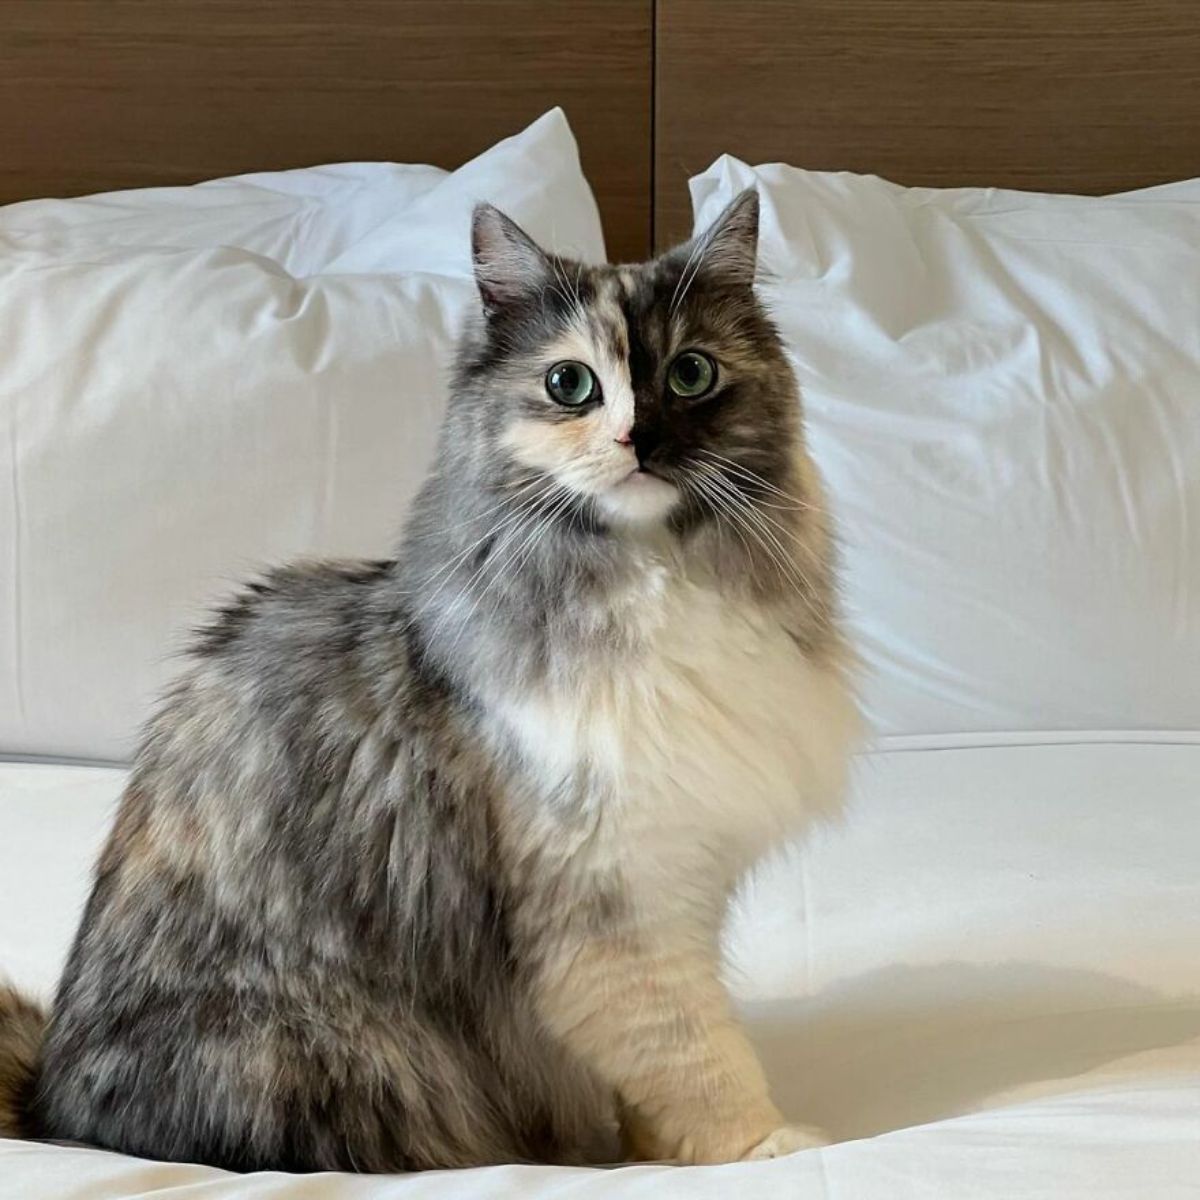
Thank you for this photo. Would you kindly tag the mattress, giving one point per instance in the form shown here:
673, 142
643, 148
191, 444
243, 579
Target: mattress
984, 981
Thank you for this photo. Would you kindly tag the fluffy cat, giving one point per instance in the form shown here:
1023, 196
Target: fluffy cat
423, 862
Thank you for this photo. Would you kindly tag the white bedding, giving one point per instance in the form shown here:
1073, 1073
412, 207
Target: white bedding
985, 982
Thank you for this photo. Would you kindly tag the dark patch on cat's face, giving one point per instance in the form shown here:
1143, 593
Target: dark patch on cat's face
637, 452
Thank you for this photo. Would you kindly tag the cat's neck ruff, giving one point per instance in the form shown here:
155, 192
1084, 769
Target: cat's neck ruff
708, 736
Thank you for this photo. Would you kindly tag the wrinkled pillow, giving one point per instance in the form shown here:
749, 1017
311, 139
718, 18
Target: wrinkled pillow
199, 381
1003, 392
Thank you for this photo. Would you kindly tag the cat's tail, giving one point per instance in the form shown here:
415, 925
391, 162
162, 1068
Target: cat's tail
22, 1025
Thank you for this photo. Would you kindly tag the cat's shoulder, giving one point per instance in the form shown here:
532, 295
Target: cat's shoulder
303, 600
315, 655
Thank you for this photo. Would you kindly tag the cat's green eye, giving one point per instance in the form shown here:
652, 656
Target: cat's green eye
572, 384
692, 374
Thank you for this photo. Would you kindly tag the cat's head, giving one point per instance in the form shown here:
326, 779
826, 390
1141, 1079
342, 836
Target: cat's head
643, 392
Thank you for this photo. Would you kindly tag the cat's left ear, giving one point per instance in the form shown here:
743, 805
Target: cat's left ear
509, 264
728, 248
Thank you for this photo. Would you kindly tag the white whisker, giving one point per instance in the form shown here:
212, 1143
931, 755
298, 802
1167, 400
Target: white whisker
697, 248
445, 529
741, 522
513, 562
524, 552
676, 302
569, 297
756, 479
510, 525
522, 507
449, 609
741, 509
698, 485
750, 506
756, 505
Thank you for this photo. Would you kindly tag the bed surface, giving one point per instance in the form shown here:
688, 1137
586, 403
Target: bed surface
985, 982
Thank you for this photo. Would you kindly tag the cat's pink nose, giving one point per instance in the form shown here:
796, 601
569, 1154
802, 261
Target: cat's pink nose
626, 438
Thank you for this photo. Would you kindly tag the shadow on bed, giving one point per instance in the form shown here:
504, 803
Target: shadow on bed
907, 1045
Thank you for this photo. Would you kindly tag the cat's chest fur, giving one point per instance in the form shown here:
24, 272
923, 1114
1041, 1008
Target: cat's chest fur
709, 736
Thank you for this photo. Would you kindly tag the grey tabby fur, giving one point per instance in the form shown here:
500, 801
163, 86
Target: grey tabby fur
319, 931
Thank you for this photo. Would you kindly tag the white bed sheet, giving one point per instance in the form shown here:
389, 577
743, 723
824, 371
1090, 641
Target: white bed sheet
985, 982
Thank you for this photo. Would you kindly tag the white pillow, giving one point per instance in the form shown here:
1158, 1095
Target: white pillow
199, 381
1003, 391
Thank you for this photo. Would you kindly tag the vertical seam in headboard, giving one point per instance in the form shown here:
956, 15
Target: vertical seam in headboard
653, 121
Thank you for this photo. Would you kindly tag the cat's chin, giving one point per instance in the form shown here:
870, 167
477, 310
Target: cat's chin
639, 499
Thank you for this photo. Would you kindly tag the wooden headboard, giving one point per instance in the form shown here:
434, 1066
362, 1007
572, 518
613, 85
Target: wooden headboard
1064, 95
1087, 96
103, 94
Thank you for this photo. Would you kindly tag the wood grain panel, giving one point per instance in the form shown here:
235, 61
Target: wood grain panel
1054, 95
102, 94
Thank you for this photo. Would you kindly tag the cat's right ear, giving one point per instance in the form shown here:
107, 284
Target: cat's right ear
509, 264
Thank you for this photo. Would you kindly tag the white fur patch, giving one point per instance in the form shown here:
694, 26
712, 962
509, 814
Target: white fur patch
789, 1139
710, 740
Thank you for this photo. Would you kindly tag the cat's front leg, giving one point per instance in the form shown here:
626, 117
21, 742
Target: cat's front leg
654, 1022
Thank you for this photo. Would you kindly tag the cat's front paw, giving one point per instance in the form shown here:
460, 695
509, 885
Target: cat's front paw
788, 1139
